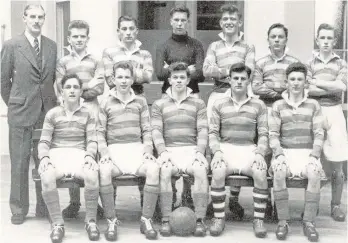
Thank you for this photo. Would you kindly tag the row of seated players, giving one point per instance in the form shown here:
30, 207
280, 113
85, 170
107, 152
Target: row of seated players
124, 135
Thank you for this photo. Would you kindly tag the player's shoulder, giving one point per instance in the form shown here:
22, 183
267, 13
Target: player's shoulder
140, 99
313, 102
258, 102
196, 100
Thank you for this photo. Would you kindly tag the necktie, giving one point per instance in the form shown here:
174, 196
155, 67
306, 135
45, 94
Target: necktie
36, 46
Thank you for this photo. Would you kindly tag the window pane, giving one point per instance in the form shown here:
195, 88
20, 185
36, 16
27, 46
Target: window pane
208, 13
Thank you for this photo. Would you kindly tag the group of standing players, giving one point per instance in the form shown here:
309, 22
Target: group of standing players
275, 107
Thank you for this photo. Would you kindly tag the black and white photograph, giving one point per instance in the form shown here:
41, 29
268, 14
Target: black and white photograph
172, 121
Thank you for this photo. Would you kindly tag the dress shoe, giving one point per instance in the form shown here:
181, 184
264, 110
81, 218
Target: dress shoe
282, 231
146, 227
17, 219
259, 228
310, 231
337, 214
111, 231
92, 230
236, 209
71, 211
217, 226
165, 229
57, 233
201, 229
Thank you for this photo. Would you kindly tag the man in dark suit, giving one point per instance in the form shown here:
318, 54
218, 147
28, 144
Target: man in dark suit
28, 63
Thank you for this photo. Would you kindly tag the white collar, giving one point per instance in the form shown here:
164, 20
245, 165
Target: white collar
286, 51
137, 45
32, 38
113, 92
170, 94
222, 36
316, 54
82, 104
285, 96
74, 53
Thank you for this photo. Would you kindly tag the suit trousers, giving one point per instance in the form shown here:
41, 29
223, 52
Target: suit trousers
21, 147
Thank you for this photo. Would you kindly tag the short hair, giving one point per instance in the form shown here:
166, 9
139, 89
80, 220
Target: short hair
280, 26
326, 26
78, 24
71, 76
296, 67
124, 65
178, 66
126, 18
30, 6
180, 9
230, 8
240, 67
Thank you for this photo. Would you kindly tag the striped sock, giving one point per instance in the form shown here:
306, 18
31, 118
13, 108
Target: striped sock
218, 196
234, 193
260, 201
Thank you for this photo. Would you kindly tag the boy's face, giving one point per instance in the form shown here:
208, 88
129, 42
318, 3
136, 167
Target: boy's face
179, 23
230, 23
326, 40
128, 32
277, 39
239, 82
296, 82
179, 80
71, 91
123, 80
78, 39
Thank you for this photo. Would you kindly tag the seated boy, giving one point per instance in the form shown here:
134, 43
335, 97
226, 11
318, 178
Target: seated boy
67, 148
125, 144
235, 122
296, 137
180, 134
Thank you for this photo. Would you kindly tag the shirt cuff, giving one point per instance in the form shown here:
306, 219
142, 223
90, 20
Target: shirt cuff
316, 152
148, 149
200, 149
215, 148
160, 148
277, 152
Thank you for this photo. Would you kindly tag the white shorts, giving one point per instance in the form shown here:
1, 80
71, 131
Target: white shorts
238, 157
128, 157
336, 143
297, 161
67, 161
182, 156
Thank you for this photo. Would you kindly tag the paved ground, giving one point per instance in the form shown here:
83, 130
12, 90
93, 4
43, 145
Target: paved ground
38, 230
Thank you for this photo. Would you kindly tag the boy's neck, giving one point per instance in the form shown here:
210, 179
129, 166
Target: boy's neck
238, 97
278, 53
325, 55
179, 96
230, 39
296, 98
81, 53
71, 107
124, 96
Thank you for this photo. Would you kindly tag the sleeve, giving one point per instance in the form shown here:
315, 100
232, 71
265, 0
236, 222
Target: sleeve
210, 67
143, 74
274, 131
161, 72
202, 128
7, 68
146, 128
46, 135
262, 130
157, 128
60, 72
108, 68
101, 129
214, 129
199, 59
342, 74
91, 137
318, 131
259, 86
96, 84
250, 59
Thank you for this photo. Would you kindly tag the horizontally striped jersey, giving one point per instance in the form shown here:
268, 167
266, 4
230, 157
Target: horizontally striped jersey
269, 77
124, 122
177, 124
61, 130
220, 55
296, 126
239, 124
88, 68
335, 69
141, 60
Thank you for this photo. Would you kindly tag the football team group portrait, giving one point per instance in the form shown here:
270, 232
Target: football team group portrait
84, 123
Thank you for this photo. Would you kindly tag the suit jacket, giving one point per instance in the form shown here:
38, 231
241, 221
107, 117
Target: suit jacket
24, 87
